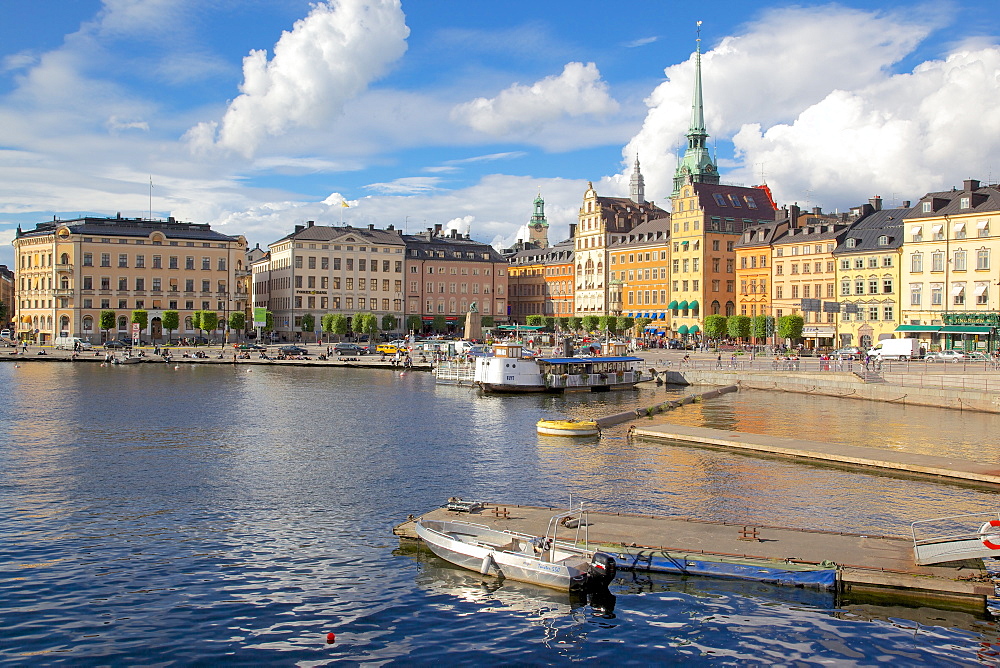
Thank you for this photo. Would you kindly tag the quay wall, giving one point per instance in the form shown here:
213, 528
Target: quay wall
842, 385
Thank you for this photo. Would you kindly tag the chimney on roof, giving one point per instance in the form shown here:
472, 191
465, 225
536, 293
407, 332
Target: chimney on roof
572, 230
430, 232
390, 228
906, 204
310, 223
371, 226
793, 215
437, 229
876, 203
817, 211
971, 185
171, 219
119, 216
454, 234
299, 228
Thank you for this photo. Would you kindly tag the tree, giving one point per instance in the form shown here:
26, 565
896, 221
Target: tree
140, 317
389, 322
590, 322
549, 322
107, 323
238, 322
268, 321
625, 323
562, 323
607, 323
209, 321
641, 323
790, 327
535, 321
415, 324
308, 323
574, 323
762, 326
196, 321
440, 324
339, 325
171, 320
716, 327
369, 324
3, 312
739, 326
488, 321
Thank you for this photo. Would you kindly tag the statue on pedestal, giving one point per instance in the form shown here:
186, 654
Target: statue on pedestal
473, 324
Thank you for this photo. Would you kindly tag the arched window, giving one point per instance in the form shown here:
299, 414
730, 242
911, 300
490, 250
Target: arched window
188, 324
64, 258
64, 324
122, 323
716, 308
88, 324
64, 283
730, 309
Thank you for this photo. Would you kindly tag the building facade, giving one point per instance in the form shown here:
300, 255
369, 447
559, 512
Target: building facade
640, 287
541, 282
7, 298
69, 271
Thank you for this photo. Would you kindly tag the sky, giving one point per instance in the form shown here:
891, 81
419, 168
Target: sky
257, 115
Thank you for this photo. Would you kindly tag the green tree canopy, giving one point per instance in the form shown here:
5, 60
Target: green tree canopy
415, 323
535, 321
209, 321
140, 317
440, 323
107, 321
790, 327
238, 321
339, 324
574, 323
549, 322
642, 322
562, 323
590, 322
762, 326
170, 321
307, 323
625, 323
716, 326
488, 321
739, 326
389, 322
607, 323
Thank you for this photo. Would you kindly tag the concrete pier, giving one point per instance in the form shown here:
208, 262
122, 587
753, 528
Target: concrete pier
891, 461
864, 563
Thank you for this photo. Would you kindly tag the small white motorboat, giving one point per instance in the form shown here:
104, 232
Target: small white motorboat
543, 560
568, 427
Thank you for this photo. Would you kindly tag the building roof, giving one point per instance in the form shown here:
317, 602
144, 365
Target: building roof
764, 211
762, 234
561, 253
131, 227
982, 199
330, 234
863, 236
650, 233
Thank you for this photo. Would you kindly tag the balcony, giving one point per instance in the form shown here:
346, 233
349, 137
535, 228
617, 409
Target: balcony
62, 293
66, 268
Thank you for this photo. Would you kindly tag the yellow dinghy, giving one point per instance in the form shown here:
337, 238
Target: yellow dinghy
568, 427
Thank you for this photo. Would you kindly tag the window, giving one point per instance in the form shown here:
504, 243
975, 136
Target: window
887, 261
140, 261
917, 233
937, 294
983, 258
859, 263
105, 259
883, 240
206, 264
937, 261
964, 202
873, 287
845, 264
926, 207
982, 225
915, 293
845, 288
917, 262
982, 298
887, 286
859, 287
189, 262
122, 283
959, 230
222, 264
173, 262
958, 295
795, 292
873, 263
157, 262
720, 200
960, 256
873, 313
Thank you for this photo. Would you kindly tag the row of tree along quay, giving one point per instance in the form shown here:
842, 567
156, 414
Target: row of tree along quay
758, 328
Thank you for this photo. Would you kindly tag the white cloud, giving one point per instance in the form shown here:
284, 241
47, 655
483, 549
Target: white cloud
643, 41
407, 185
327, 58
759, 77
578, 91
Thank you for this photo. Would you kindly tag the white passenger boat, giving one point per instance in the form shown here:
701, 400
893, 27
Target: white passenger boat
508, 371
543, 560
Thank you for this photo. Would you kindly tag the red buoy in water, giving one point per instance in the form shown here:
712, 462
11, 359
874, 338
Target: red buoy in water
330, 638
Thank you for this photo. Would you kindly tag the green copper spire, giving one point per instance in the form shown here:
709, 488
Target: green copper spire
538, 226
696, 165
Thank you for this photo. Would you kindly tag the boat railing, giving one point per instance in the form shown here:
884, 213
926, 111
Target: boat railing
925, 529
586, 380
552, 533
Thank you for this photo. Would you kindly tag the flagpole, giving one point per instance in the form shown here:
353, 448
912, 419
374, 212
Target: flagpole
151, 197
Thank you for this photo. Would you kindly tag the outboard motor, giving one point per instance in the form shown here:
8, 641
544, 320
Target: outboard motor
602, 570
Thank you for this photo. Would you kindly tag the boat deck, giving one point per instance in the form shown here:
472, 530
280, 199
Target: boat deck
863, 562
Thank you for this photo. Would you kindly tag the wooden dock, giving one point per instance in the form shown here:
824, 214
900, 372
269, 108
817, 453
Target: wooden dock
863, 563
888, 461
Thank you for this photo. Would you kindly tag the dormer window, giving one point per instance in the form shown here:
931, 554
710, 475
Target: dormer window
964, 202
720, 200
851, 243
751, 204
926, 207
735, 200
883, 240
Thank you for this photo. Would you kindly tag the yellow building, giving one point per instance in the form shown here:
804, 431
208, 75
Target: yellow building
868, 276
639, 261
69, 271
753, 268
950, 240
540, 281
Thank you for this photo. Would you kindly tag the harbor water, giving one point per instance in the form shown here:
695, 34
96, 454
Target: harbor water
222, 514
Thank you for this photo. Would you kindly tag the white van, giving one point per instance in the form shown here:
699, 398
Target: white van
897, 349
71, 343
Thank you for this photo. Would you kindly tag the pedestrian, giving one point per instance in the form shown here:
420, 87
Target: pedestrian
718, 361
24, 346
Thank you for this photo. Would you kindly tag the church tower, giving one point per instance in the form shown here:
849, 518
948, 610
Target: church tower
637, 186
538, 226
696, 165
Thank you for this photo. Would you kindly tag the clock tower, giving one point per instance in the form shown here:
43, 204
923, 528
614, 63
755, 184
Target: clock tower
538, 226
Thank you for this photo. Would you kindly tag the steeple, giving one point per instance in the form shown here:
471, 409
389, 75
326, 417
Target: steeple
637, 184
696, 165
538, 226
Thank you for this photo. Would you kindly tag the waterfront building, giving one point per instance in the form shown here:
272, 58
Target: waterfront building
318, 269
805, 274
950, 239
639, 259
69, 271
7, 297
541, 282
753, 253
868, 260
600, 219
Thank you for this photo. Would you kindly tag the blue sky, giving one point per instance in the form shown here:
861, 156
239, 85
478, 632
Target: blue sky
255, 115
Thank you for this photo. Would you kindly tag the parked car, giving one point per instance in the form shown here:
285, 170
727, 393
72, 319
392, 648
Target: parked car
249, 346
5, 334
387, 349
349, 349
848, 353
977, 356
948, 356
294, 350
114, 344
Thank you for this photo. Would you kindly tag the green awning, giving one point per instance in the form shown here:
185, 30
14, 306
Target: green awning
694, 328
672, 305
683, 329
918, 328
966, 329
683, 305
693, 305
